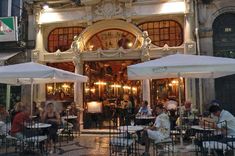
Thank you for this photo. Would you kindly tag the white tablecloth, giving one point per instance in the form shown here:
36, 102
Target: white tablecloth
39, 125
131, 129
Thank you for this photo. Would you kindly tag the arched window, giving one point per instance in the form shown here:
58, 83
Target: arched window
164, 32
61, 38
111, 39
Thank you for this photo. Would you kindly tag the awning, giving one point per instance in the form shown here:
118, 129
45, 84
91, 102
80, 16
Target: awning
6, 55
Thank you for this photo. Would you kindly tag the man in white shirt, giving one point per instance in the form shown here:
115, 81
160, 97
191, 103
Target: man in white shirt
159, 131
224, 118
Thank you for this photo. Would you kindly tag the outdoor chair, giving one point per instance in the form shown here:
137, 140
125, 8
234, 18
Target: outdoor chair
65, 132
34, 138
166, 145
8, 143
211, 141
121, 142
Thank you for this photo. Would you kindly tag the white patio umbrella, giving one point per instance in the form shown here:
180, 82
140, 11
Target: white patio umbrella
182, 65
34, 73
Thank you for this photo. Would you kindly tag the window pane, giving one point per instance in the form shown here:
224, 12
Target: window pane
167, 32
62, 38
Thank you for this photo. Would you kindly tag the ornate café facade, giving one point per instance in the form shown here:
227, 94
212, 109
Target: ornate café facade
100, 38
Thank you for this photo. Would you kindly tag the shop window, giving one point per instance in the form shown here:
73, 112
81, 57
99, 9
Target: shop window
61, 38
164, 32
111, 39
61, 91
163, 89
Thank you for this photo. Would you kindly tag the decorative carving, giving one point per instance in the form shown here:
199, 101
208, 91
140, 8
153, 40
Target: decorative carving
35, 54
165, 47
58, 53
76, 48
108, 9
145, 47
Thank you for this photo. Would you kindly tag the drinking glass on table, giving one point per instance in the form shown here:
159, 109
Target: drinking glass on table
132, 123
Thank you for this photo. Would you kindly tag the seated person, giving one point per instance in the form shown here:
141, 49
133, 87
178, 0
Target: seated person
159, 131
223, 116
73, 110
126, 103
36, 111
173, 118
4, 115
17, 128
4, 120
144, 110
187, 108
225, 125
50, 116
14, 111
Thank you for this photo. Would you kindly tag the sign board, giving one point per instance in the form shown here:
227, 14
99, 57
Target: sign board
8, 29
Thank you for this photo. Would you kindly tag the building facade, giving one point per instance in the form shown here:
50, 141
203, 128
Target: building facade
12, 45
216, 38
100, 38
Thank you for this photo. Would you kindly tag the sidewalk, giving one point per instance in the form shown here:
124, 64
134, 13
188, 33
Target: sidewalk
98, 145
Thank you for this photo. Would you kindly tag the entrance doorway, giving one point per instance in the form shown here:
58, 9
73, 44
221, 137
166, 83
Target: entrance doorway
223, 44
108, 84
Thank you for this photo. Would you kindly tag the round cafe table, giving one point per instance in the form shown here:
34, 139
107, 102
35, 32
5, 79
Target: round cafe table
144, 120
199, 128
131, 129
39, 125
69, 117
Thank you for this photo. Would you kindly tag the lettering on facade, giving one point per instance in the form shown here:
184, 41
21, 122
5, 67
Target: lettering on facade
159, 69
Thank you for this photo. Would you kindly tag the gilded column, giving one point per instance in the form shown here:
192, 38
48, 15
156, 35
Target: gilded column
145, 56
78, 88
36, 54
189, 48
39, 47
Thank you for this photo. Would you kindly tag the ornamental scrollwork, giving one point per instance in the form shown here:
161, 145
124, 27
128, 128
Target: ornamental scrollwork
108, 9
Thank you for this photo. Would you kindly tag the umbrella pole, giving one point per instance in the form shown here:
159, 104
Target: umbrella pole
180, 110
31, 98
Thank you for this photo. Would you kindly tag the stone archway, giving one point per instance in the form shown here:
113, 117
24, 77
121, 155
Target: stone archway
109, 24
223, 45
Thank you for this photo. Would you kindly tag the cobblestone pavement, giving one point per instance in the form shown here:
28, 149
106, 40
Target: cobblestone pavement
97, 145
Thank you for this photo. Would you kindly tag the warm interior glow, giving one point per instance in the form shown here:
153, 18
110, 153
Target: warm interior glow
134, 88
94, 107
116, 86
100, 83
65, 86
49, 89
130, 44
174, 82
92, 90
126, 87
91, 47
87, 90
